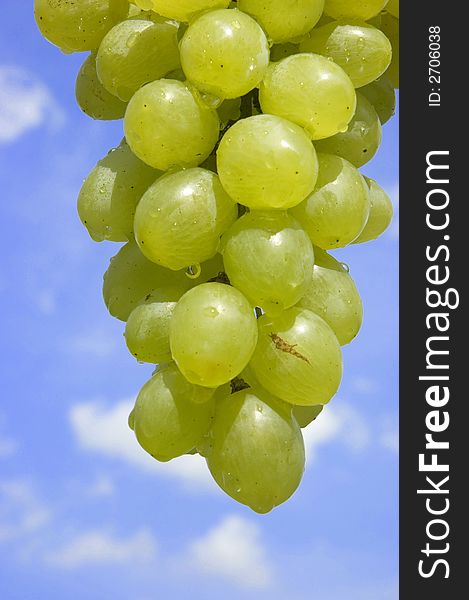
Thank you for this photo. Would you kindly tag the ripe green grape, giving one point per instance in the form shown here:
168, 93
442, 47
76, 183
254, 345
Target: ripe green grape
382, 96
267, 162
147, 332
311, 91
257, 453
167, 126
284, 20
354, 9
93, 98
298, 357
136, 52
225, 53
381, 213
111, 192
181, 10
75, 26
393, 7
130, 277
180, 218
362, 139
336, 212
213, 334
362, 51
305, 415
171, 415
390, 27
268, 257
333, 295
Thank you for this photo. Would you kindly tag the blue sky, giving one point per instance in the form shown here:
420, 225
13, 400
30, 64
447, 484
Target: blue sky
84, 514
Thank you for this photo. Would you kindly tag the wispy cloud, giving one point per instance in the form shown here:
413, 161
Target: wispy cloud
25, 104
103, 430
341, 423
389, 437
233, 550
22, 513
8, 446
102, 547
97, 343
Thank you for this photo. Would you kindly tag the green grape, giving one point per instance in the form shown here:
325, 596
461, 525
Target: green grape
213, 334
336, 212
382, 96
267, 162
354, 9
305, 415
381, 213
311, 91
298, 357
93, 99
390, 27
284, 20
268, 257
333, 295
182, 10
393, 7
225, 53
280, 51
78, 25
180, 218
257, 452
131, 420
362, 51
147, 332
229, 110
166, 125
136, 52
362, 139
111, 192
130, 277
171, 415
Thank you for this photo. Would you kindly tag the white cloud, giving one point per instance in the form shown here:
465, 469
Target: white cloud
21, 511
389, 438
101, 547
364, 385
46, 302
8, 446
103, 486
96, 342
25, 104
232, 550
342, 423
104, 430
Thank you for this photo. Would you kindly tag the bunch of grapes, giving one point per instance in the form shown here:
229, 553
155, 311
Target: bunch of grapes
245, 125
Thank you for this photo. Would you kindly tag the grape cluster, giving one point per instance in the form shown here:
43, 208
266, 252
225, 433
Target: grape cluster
244, 132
